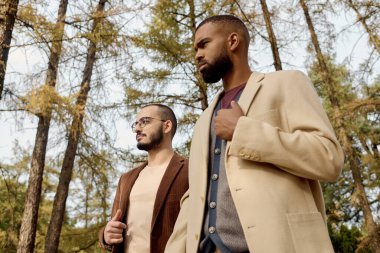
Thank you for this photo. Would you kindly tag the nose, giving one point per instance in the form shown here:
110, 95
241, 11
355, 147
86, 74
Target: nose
199, 55
137, 128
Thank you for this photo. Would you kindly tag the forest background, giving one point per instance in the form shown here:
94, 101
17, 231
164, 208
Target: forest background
73, 74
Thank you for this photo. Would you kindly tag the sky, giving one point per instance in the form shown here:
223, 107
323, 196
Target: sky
24, 60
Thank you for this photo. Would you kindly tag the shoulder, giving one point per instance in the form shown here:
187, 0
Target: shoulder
180, 159
288, 80
180, 172
180, 164
286, 74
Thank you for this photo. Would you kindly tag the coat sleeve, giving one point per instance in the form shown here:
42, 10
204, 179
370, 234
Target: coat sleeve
115, 206
177, 240
304, 144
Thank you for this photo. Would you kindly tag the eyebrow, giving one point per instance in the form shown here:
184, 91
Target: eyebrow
202, 41
143, 118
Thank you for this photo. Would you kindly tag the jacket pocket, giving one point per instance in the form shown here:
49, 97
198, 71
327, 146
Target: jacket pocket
309, 233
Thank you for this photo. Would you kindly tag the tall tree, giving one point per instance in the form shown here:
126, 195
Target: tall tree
8, 11
33, 195
342, 129
59, 206
272, 36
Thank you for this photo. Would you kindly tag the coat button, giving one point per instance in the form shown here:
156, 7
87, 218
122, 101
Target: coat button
214, 177
217, 151
211, 230
212, 204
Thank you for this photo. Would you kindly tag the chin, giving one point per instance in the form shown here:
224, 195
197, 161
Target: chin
143, 146
210, 78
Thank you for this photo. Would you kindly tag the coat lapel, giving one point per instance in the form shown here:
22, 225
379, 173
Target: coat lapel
205, 124
250, 91
252, 87
175, 165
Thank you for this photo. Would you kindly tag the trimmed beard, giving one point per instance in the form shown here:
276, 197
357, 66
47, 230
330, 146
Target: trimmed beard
156, 139
213, 72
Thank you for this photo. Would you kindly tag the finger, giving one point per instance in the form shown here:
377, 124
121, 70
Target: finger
117, 216
236, 107
115, 236
116, 224
222, 114
114, 230
115, 241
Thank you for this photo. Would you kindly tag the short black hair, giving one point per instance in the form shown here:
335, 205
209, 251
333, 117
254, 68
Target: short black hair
229, 20
166, 113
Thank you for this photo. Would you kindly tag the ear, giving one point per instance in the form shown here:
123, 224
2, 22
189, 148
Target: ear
168, 126
233, 41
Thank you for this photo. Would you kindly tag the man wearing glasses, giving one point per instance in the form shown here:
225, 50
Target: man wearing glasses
147, 200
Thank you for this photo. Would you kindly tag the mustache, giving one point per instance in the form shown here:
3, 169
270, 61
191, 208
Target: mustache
201, 62
140, 134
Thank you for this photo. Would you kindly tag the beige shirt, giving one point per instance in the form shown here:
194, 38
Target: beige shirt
139, 219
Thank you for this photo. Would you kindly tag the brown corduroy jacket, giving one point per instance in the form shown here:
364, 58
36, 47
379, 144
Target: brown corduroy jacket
166, 207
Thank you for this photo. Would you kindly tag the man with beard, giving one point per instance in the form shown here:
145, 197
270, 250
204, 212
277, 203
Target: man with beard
257, 155
147, 200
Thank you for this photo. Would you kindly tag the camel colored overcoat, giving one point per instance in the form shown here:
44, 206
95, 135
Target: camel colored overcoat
280, 149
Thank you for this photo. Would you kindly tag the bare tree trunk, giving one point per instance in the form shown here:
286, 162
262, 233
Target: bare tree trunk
33, 194
59, 206
272, 36
8, 11
373, 37
320, 57
344, 138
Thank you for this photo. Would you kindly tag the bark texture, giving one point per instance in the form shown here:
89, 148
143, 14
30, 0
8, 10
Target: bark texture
272, 36
8, 12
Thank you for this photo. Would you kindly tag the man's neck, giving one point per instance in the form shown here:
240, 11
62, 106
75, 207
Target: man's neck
236, 77
160, 156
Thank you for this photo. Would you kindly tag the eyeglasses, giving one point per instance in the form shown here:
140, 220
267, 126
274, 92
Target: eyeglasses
143, 122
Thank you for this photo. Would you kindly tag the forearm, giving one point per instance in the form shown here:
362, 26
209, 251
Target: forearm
305, 152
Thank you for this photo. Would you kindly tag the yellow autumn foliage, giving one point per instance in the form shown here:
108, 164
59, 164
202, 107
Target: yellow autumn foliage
43, 100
